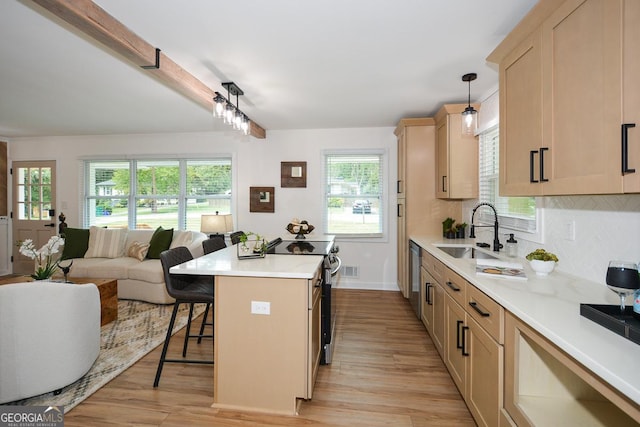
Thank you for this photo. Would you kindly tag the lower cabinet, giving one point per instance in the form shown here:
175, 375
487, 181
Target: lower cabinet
433, 309
545, 387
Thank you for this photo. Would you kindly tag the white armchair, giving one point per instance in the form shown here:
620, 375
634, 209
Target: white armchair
49, 336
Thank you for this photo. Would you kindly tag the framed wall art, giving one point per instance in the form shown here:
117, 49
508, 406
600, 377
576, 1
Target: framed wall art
293, 174
261, 199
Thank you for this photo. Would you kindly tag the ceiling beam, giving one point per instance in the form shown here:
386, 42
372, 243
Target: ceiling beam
94, 21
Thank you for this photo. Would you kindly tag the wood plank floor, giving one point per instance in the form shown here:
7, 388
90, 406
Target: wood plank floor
385, 372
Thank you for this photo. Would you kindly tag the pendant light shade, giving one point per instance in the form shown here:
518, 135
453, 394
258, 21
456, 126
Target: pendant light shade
469, 115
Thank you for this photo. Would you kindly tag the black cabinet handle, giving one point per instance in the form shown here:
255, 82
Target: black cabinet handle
399, 213
427, 297
625, 148
542, 150
458, 335
477, 308
452, 286
398, 185
532, 154
444, 188
464, 340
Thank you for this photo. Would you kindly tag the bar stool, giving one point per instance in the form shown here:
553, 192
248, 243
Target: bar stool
186, 289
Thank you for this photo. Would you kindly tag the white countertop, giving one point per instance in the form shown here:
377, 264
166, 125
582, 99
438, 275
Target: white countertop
225, 262
551, 306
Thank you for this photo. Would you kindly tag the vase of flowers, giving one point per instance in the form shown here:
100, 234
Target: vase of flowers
45, 262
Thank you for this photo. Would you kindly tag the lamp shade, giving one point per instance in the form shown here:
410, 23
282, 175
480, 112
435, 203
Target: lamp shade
216, 223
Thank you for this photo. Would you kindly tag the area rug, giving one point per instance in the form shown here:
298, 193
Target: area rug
140, 328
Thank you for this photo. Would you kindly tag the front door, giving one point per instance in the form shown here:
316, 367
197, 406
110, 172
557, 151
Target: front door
34, 190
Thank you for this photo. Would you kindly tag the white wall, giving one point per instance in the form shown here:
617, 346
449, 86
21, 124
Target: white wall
257, 163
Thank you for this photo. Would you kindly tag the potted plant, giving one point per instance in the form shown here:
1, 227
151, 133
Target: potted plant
45, 264
542, 262
460, 230
448, 229
251, 245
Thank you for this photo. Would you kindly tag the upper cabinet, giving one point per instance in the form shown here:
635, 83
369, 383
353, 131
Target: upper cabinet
568, 100
456, 156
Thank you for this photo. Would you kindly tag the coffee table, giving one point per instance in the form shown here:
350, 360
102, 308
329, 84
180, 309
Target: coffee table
108, 289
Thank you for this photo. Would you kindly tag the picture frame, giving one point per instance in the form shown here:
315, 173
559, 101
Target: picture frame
293, 174
262, 199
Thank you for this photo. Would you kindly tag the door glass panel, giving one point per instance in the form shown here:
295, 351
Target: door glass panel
34, 193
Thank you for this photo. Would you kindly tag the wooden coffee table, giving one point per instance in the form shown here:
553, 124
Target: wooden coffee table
108, 289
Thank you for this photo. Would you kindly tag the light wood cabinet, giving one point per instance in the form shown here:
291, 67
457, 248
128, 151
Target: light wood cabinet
418, 211
265, 362
544, 386
566, 88
433, 309
472, 337
457, 156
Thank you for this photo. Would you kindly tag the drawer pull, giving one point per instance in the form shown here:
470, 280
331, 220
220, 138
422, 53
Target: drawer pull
458, 335
477, 308
427, 297
454, 287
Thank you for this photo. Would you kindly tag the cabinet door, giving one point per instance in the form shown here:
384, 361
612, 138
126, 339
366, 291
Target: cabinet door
631, 93
521, 119
581, 58
402, 162
427, 283
315, 339
442, 158
485, 363
454, 317
403, 250
437, 298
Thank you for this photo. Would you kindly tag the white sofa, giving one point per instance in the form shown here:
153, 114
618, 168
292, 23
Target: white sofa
137, 280
49, 336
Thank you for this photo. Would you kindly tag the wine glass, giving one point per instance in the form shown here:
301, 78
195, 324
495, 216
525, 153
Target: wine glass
623, 279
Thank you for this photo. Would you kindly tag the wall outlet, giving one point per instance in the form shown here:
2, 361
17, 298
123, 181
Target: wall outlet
570, 230
261, 307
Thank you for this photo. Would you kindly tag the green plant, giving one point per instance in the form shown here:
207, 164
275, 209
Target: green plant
45, 264
447, 225
461, 226
541, 255
259, 244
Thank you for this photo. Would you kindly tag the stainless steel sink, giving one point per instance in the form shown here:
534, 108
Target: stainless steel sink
466, 252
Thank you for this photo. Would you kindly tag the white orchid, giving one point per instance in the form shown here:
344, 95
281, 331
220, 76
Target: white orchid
44, 256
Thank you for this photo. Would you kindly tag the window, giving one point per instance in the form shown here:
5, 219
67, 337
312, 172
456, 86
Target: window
516, 213
149, 193
354, 203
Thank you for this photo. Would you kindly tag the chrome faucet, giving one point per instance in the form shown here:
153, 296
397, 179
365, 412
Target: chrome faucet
496, 242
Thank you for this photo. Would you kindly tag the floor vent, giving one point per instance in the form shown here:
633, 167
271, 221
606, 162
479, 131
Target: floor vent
349, 271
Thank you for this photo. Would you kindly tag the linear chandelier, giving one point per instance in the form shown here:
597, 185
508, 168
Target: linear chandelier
224, 109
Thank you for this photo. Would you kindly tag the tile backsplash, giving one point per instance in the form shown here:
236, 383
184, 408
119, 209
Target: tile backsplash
606, 228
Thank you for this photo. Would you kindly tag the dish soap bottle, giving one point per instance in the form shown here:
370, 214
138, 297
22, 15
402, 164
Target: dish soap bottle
512, 246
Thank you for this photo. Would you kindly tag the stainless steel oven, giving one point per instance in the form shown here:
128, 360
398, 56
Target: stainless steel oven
331, 267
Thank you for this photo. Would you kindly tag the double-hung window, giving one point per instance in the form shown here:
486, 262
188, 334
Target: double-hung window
354, 202
514, 213
147, 193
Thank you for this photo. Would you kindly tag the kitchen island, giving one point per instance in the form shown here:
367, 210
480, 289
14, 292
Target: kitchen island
266, 327
555, 365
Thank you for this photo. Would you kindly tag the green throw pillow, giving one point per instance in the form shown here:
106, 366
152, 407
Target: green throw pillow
160, 241
76, 243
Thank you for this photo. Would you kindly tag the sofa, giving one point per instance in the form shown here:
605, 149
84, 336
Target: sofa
49, 336
130, 256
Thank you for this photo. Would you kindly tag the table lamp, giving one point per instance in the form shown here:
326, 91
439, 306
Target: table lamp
216, 225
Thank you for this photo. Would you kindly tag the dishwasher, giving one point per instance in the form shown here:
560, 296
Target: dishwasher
415, 294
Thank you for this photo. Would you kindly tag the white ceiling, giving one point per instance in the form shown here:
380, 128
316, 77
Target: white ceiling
302, 64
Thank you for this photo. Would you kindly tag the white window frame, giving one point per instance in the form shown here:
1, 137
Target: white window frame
382, 236
525, 229
183, 197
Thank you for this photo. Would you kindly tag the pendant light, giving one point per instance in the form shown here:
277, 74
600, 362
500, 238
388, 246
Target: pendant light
469, 115
229, 113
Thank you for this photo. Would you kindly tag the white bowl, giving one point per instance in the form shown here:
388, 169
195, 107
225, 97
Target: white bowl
542, 268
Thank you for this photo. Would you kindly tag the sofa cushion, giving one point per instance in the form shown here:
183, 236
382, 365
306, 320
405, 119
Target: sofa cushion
106, 242
138, 250
76, 243
83, 267
160, 241
113, 268
149, 270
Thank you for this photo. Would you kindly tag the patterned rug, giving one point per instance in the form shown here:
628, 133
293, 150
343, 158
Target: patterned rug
140, 328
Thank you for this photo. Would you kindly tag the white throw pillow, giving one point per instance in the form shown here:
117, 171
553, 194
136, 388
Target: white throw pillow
106, 242
181, 238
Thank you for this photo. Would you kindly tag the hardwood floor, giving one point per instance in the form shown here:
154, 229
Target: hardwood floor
385, 372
